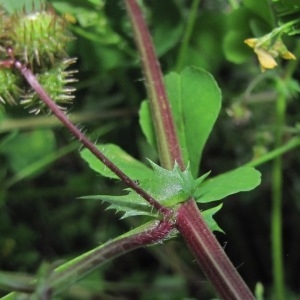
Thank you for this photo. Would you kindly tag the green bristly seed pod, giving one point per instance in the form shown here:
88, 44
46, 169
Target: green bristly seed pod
3, 22
4, 25
39, 37
9, 86
56, 83
38, 40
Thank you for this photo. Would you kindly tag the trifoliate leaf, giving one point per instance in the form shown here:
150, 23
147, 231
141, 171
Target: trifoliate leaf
192, 130
168, 187
195, 112
239, 180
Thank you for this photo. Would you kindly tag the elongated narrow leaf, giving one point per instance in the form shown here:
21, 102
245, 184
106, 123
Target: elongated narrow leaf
146, 123
239, 180
195, 101
129, 165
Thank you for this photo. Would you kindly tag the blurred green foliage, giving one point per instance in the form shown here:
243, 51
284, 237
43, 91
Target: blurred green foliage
40, 217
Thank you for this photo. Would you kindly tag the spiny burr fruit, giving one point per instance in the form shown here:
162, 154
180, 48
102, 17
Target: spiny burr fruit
55, 82
39, 37
4, 25
38, 40
9, 86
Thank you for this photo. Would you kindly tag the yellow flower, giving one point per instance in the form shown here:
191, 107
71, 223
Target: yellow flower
267, 51
251, 42
282, 50
69, 18
266, 60
287, 55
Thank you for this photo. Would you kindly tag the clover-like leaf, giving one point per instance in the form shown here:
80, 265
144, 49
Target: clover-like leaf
239, 180
170, 187
195, 100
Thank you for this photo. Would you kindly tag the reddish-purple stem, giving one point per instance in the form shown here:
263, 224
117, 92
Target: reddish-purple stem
112, 250
71, 272
31, 79
210, 255
168, 146
190, 223
199, 238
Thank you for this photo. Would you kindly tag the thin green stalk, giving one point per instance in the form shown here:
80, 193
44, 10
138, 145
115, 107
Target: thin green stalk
16, 282
210, 255
47, 160
8, 124
187, 35
40, 164
276, 217
292, 144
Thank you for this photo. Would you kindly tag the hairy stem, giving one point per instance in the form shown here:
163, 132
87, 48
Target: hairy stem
92, 260
190, 223
167, 142
210, 255
72, 271
31, 79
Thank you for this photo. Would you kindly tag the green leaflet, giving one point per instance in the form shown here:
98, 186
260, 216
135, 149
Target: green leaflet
36, 145
168, 187
208, 217
195, 100
146, 123
132, 167
130, 204
219, 187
